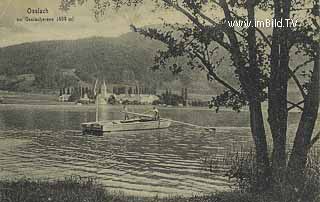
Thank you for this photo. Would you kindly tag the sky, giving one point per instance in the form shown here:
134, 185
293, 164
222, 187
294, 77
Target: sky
84, 25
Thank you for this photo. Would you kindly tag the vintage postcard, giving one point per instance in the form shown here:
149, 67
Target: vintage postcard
159, 100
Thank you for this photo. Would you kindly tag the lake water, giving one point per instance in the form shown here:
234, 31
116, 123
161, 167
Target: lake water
46, 142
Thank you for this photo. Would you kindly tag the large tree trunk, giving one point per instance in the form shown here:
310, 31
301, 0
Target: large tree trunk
307, 122
253, 91
277, 92
278, 112
249, 80
259, 137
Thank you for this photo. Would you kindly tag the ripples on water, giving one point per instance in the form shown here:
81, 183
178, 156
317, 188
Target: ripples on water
42, 142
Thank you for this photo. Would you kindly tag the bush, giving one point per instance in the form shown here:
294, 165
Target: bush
156, 102
243, 170
71, 189
112, 100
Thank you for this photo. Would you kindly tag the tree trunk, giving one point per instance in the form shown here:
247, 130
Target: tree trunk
277, 92
278, 112
253, 91
259, 137
308, 118
249, 79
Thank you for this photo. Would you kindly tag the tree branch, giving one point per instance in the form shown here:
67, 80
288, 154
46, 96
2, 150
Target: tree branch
235, 49
214, 75
298, 37
195, 21
315, 23
294, 105
301, 65
186, 13
214, 23
265, 38
296, 80
314, 140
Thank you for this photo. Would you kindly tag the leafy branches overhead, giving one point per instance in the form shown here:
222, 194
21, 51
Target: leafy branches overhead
229, 99
191, 44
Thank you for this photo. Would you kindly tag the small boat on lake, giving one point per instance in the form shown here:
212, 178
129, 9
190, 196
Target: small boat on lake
142, 122
98, 127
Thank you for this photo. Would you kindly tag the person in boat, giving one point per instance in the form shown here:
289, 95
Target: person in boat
156, 114
125, 110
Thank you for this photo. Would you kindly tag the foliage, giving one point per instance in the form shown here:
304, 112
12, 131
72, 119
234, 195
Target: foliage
243, 169
112, 100
75, 95
229, 99
169, 98
71, 189
242, 175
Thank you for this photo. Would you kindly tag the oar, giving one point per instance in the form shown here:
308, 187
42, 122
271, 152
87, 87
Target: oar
189, 124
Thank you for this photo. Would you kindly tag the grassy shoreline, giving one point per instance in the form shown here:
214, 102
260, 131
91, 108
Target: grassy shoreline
69, 189
76, 189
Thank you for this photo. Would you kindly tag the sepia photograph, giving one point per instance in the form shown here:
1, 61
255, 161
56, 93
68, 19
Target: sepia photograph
159, 100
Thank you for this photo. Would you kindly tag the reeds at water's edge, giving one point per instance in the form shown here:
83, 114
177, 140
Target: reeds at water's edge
241, 170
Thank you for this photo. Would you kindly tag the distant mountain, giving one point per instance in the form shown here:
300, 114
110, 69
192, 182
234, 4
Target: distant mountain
56, 64
51, 65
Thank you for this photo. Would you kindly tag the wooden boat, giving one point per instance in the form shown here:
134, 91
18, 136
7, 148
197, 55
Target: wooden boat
99, 127
144, 122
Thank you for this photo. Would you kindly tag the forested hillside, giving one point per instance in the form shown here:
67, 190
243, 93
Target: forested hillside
56, 64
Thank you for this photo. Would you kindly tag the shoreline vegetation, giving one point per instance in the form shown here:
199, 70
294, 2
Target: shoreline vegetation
77, 189
241, 174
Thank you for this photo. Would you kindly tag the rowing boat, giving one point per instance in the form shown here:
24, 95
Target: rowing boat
124, 125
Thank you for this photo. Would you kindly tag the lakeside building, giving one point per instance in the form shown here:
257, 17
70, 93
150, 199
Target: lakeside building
131, 91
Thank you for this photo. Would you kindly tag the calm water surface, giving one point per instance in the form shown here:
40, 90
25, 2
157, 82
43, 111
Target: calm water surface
46, 142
